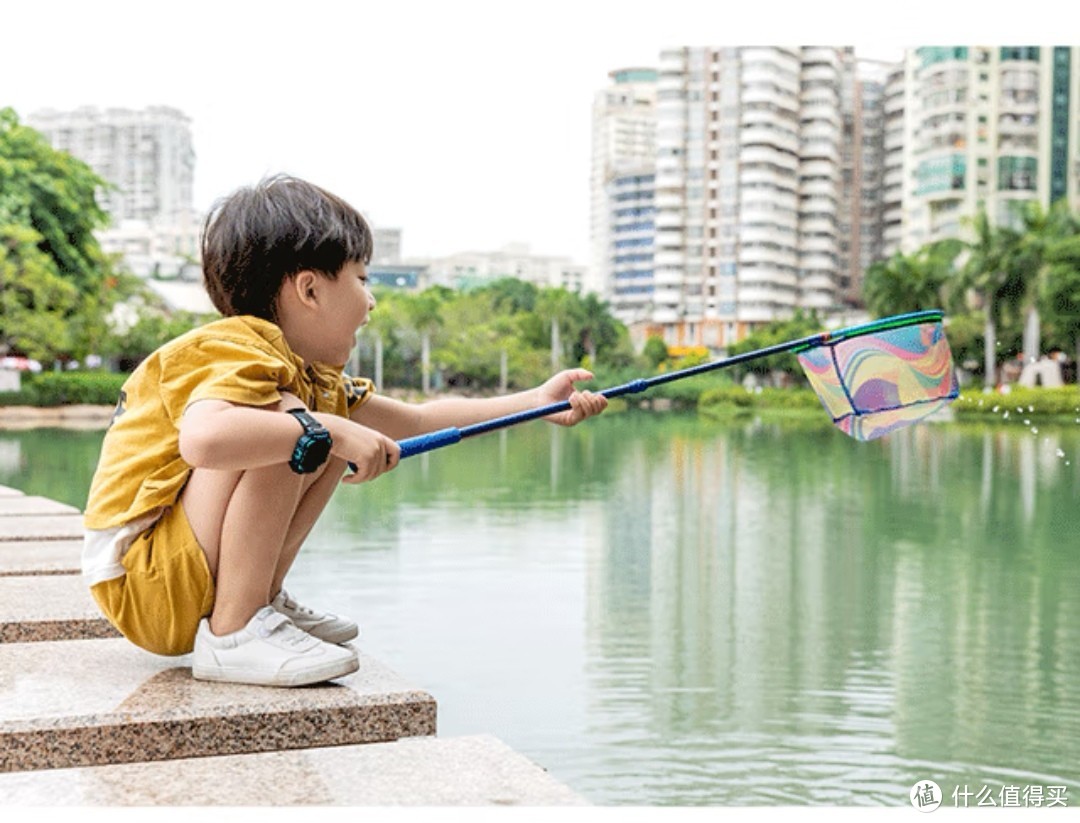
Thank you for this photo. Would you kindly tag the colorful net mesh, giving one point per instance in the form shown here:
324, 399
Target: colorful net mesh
877, 378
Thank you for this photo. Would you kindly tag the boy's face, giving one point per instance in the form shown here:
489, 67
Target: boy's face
344, 312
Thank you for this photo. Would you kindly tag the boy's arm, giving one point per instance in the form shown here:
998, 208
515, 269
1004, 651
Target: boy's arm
399, 420
216, 434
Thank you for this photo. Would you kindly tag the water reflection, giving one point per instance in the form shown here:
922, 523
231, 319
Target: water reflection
664, 610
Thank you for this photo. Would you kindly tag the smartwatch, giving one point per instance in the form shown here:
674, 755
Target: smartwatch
313, 446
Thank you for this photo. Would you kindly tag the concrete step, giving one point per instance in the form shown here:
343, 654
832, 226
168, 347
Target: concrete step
33, 557
7, 491
41, 526
94, 702
26, 504
38, 608
474, 771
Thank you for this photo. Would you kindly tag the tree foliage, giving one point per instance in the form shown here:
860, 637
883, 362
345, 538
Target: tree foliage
54, 276
914, 282
783, 331
470, 331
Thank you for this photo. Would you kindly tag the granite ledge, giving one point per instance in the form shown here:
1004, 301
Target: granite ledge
41, 527
38, 557
36, 608
92, 702
477, 770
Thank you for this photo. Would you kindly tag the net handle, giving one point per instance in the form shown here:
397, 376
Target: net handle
446, 437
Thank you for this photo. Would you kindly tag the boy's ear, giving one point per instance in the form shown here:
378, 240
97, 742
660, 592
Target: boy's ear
303, 284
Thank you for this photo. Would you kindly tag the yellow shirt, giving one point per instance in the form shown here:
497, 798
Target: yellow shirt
243, 360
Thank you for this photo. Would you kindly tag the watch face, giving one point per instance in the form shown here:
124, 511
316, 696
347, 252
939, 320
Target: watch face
317, 451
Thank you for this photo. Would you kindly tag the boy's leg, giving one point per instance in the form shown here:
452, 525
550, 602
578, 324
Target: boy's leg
311, 506
251, 525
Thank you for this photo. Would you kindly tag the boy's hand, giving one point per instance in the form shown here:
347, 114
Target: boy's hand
371, 452
582, 403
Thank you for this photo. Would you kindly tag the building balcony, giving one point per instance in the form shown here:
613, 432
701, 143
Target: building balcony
821, 112
667, 257
817, 71
816, 224
665, 202
770, 94
760, 136
816, 244
669, 219
822, 188
768, 154
752, 175
750, 254
818, 167
760, 234
822, 149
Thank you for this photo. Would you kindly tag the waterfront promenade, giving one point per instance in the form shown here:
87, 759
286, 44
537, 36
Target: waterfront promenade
87, 718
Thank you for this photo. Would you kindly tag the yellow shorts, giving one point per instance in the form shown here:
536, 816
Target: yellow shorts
167, 590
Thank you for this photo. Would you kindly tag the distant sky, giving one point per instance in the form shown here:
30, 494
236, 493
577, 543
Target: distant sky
466, 123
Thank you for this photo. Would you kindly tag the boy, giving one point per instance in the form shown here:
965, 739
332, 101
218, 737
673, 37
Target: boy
228, 441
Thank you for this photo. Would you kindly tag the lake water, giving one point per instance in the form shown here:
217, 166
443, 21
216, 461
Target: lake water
664, 610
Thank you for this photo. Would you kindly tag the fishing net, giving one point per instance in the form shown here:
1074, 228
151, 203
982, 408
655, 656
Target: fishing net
879, 377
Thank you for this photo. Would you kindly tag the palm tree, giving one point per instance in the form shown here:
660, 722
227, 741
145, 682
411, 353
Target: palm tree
424, 311
1058, 296
907, 283
986, 272
1042, 229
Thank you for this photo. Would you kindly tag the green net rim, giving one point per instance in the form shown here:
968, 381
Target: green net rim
898, 322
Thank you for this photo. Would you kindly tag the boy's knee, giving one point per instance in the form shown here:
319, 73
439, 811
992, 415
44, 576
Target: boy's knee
289, 401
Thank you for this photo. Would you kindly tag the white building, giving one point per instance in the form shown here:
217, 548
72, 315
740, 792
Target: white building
623, 147
515, 260
148, 158
987, 127
748, 189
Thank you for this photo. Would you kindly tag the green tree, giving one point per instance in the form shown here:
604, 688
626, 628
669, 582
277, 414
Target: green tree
988, 273
1059, 290
1042, 230
907, 283
782, 331
53, 268
424, 311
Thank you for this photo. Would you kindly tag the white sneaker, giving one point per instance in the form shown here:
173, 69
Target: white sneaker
325, 626
268, 651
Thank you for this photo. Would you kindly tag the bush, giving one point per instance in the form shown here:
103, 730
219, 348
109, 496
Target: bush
1041, 402
96, 388
768, 398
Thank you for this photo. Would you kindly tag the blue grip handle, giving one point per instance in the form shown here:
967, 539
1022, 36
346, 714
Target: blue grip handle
427, 442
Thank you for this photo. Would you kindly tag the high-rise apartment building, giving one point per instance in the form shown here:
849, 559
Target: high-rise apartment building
865, 118
146, 154
623, 164
987, 127
748, 189
892, 187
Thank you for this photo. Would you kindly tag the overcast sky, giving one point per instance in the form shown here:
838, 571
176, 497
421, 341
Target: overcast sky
465, 123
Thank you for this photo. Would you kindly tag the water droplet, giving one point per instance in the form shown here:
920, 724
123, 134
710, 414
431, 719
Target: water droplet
1006, 417
1027, 422
998, 407
1060, 453
1031, 408
1034, 429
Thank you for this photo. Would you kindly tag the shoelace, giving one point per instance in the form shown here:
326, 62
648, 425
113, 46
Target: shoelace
296, 607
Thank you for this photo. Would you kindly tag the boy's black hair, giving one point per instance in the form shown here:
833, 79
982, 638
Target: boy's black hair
259, 235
